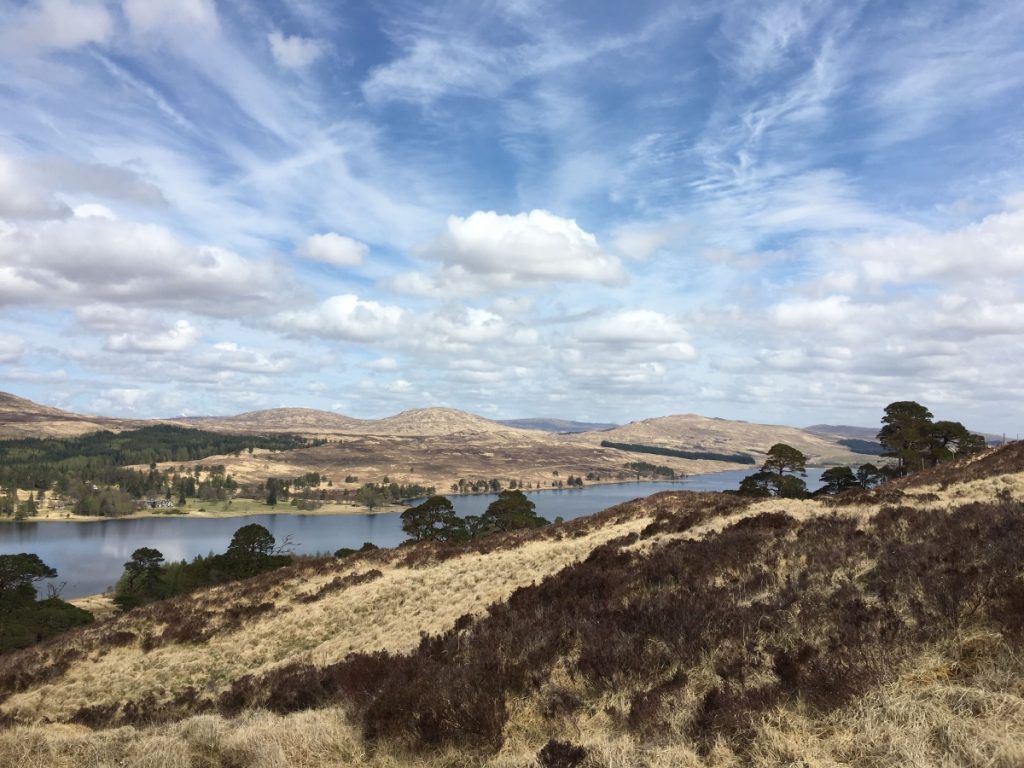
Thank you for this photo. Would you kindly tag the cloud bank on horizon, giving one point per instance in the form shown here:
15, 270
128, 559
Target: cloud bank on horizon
788, 211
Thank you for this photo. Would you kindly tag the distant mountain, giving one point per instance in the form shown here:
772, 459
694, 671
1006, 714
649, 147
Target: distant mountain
563, 426
420, 422
844, 430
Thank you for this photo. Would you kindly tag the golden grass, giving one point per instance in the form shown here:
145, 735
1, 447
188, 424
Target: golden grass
936, 715
389, 613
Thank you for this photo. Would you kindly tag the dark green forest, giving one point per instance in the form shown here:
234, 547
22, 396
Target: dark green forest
657, 450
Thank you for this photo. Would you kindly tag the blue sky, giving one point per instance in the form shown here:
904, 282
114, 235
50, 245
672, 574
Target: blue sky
782, 211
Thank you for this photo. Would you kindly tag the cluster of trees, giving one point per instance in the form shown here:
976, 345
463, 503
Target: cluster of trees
916, 442
377, 494
435, 519
493, 485
43, 463
645, 469
147, 577
89, 470
908, 435
24, 618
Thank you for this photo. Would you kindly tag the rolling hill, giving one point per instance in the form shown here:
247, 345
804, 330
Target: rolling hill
878, 628
23, 418
440, 446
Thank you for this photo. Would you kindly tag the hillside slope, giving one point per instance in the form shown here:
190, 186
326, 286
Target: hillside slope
23, 418
881, 628
700, 433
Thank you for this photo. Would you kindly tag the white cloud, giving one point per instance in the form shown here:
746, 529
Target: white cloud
60, 24
151, 15
294, 51
334, 249
93, 210
36, 188
11, 349
491, 250
229, 356
643, 240
93, 260
384, 364
991, 247
642, 330
432, 68
344, 317
180, 337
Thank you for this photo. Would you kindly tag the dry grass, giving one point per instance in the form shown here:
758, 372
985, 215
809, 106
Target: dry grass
389, 613
956, 700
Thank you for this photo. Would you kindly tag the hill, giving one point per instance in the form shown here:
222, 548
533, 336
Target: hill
305, 421
557, 425
440, 446
23, 418
700, 433
879, 628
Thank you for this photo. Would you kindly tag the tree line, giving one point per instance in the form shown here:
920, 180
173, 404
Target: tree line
908, 436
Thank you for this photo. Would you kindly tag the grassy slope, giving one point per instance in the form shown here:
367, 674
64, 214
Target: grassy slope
681, 640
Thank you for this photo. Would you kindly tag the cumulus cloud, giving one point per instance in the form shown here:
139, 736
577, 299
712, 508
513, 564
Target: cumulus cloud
56, 24
294, 51
993, 246
11, 349
645, 331
229, 356
34, 188
181, 336
345, 317
488, 250
96, 260
334, 249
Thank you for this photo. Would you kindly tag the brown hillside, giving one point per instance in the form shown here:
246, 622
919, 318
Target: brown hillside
679, 630
303, 421
700, 433
23, 418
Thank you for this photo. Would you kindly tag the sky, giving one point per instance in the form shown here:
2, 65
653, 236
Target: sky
784, 212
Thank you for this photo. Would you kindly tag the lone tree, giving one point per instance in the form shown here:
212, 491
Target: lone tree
839, 479
511, 511
142, 580
18, 574
434, 520
251, 541
777, 476
784, 458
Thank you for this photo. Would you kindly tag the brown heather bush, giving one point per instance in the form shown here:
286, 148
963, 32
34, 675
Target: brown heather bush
784, 610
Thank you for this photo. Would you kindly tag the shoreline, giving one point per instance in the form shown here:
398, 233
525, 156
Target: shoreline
332, 510
328, 509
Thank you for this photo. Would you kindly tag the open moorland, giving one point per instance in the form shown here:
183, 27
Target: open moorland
873, 628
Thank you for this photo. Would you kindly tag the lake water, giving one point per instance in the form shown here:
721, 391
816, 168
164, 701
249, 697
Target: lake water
90, 556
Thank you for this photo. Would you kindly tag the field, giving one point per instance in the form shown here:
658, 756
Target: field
882, 628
